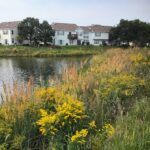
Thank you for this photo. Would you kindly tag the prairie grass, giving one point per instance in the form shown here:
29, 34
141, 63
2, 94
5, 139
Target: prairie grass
111, 91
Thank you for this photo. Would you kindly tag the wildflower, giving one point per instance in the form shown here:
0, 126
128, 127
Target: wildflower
63, 112
80, 136
108, 129
120, 85
92, 124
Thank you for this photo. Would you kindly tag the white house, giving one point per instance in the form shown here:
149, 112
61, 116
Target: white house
9, 33
62, 31
65, 34
94, 34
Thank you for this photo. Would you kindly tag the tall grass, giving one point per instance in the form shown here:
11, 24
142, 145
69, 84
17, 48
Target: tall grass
114, 88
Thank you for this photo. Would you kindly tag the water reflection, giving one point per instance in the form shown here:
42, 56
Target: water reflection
22, 69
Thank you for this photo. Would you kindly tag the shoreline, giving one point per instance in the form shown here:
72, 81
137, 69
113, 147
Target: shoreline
65, 51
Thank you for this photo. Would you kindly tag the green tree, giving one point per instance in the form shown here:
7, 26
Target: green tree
45, 32
135, 31
28, 29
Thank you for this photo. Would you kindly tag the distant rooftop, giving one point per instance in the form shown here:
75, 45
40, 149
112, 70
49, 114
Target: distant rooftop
9, 25
73, 27
100, 28
64, 26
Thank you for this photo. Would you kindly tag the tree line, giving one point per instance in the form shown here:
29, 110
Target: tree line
34, 32
134, 31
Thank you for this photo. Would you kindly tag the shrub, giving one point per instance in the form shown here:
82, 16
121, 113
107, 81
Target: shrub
64, 119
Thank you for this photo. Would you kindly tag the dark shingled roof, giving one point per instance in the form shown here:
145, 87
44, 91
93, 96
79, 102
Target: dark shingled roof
9, 25
64, 26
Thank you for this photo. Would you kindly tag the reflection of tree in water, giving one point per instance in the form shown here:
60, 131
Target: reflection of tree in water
34, 67
41, 69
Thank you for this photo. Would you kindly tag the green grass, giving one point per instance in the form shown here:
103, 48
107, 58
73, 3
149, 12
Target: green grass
133, 130
24, 51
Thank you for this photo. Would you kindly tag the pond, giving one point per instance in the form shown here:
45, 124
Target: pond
40, 69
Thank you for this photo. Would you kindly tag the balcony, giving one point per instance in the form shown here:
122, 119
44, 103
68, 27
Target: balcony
72, 36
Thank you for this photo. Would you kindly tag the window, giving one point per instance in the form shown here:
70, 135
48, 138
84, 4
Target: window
12, 40
86, 37
60, 32
12, 32
86, 33
5, 32
96, 41
98, 34
61, 42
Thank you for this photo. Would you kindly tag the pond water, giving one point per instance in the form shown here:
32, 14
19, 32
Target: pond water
40, 69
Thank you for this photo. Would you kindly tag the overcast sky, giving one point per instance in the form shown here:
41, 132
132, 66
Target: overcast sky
81, 12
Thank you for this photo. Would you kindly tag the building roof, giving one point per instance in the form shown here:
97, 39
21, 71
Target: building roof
64, 26
72, 27
99, 28
9, 25
85, 28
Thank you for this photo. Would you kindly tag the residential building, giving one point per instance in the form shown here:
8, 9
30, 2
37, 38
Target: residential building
8, 33
62, 32
65, 34
94, 34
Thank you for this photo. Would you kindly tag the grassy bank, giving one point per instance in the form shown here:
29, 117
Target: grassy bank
6, 51
100, 107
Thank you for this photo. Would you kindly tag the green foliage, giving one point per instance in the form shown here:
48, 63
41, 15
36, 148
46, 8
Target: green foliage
121, 86
30, 29
133, 130
135, 31
45, 32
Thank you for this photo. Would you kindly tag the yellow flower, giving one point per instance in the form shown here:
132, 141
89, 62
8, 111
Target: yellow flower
66, 111
109, 129
92, 124
80, 136
43, 112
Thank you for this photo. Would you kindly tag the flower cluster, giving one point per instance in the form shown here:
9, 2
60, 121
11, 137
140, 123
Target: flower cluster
65, 113
80, 136
139, 59
92, 124
122, 85
108, 129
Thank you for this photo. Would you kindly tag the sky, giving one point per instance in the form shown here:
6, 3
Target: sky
81, 12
